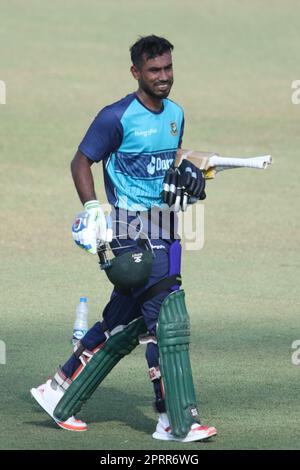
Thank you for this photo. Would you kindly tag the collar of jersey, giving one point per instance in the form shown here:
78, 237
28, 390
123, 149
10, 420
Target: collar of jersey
150, 110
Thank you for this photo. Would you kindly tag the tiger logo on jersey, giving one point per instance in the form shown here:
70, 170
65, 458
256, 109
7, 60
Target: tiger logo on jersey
174, 130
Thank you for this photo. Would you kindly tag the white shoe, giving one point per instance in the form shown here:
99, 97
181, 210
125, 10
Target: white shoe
48, 397
197, 431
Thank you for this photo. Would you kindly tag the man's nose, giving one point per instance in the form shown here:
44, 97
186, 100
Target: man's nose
163, 76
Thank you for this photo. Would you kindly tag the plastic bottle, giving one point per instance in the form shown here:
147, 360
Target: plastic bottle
81, 320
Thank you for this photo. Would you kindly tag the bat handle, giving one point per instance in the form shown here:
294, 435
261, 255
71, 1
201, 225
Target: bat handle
104, 262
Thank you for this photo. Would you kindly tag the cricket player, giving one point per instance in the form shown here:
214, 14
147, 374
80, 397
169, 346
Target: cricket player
136, 140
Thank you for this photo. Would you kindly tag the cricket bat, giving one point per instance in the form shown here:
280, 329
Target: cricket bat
212, 163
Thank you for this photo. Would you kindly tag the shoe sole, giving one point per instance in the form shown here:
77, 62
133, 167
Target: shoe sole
168, 437
36, 394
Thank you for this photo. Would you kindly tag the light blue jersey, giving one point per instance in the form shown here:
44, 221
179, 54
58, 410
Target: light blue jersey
137, 147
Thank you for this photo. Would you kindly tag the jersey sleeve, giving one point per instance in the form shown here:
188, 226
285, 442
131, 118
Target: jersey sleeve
104, 136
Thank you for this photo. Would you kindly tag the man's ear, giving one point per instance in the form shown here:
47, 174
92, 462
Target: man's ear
135, 72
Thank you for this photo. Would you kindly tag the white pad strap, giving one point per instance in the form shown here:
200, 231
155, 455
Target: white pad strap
154, 373
61, 379
147, 338
84, 355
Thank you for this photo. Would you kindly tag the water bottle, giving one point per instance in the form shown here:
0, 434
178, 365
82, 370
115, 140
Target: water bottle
81, 320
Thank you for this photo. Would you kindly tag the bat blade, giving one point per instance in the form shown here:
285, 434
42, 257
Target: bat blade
198, 158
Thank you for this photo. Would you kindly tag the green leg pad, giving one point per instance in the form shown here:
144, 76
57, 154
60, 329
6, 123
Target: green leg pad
173, 338
116, 347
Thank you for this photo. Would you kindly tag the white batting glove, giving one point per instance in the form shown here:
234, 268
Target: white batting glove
90, 227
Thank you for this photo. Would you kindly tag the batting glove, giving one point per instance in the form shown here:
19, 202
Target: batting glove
170, 186
192, 180
183, 186
90, 227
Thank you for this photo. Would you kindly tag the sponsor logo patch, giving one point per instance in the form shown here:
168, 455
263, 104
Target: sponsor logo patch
146, 133
157, 164
174, 130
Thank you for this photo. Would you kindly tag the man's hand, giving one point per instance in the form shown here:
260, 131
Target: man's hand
192, 180
170, 186
90, 227
183, 185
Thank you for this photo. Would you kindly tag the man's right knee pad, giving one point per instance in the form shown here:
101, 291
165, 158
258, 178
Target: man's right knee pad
173, 337
121, 342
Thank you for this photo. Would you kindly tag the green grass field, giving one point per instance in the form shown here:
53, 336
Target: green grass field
234, 65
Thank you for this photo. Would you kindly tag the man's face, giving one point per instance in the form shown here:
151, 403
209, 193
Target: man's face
155, 76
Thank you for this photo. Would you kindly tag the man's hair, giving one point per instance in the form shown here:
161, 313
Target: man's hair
148, 47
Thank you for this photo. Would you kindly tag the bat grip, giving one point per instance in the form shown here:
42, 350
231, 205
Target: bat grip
104, 262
